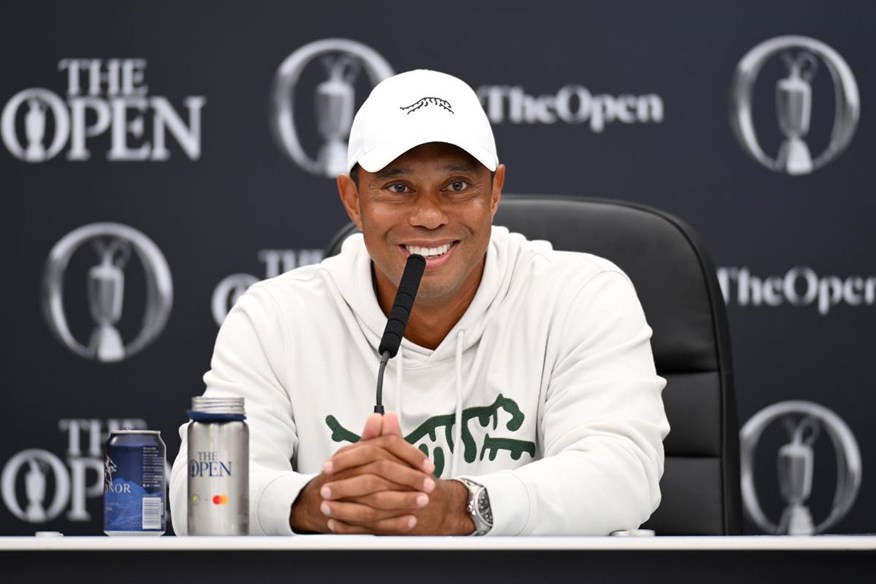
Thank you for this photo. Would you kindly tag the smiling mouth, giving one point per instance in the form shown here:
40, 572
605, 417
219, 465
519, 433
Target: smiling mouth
429, 252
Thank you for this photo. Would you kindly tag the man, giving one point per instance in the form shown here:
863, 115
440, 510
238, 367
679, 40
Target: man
524, 398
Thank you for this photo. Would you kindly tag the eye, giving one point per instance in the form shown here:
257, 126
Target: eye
398, 188
457, 186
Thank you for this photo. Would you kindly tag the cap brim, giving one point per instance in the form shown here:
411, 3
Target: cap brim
378, 158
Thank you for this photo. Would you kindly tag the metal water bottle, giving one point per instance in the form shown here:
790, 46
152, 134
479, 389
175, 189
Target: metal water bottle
218, 455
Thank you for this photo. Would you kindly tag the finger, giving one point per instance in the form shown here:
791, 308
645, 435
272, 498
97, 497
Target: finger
373, 425
396, 501
391, 424
395, 525
383, 447
380, 475
375, 520
356, 513
375, 491
372, 429
355, 455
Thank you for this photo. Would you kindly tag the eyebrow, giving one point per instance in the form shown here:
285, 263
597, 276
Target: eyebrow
393, 171
390, 171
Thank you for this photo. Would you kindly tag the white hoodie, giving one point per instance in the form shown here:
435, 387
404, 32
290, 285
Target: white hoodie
547, 382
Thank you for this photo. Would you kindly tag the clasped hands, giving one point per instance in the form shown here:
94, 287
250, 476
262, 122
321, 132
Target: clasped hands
381, 485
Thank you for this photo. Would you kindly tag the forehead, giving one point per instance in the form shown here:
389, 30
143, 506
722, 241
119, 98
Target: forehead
433, 156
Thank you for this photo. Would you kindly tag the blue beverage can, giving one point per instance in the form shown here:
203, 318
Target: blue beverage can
134, 487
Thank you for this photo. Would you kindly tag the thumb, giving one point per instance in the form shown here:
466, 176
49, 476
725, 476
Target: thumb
391, 424
373, 425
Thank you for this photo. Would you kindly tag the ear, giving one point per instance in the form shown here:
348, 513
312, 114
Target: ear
498, 183
349, 194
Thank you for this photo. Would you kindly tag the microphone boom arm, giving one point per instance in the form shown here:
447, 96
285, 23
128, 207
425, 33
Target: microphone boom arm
398, 319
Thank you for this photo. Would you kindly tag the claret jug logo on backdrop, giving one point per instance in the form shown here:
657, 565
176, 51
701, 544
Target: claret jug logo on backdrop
796, 102
334, 100
102, 97
112, 244
804, 423
38, 485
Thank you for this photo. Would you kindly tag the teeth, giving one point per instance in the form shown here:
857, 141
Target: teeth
427, 252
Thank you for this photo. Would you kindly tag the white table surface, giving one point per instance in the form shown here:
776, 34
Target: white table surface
335, 542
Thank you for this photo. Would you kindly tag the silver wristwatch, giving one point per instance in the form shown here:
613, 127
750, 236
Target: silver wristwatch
478, 507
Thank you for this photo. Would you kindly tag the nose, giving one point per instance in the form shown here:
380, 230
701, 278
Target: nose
428, 212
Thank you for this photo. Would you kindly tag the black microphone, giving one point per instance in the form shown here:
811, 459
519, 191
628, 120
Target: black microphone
398, 318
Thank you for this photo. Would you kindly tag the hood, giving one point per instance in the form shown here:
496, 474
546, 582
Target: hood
351, 273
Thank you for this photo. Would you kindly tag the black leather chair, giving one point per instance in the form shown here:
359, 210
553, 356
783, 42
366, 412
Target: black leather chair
676, 282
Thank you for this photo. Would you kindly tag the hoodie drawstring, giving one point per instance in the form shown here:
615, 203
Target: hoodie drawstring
398, 385
457, 426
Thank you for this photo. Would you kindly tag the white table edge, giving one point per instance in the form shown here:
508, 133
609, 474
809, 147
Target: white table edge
354, 543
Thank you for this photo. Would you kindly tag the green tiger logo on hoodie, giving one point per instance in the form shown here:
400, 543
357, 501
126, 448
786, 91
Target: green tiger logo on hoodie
425, 435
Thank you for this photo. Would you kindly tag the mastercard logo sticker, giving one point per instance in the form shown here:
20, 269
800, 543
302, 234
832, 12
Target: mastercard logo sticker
220, 499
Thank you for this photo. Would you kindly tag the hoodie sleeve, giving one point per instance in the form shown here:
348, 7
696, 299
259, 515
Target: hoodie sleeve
602, 424
248, 362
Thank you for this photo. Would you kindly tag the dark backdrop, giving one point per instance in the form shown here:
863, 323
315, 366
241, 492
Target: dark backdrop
226, 204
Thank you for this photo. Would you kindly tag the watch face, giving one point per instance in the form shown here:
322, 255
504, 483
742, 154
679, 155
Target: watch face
484, 509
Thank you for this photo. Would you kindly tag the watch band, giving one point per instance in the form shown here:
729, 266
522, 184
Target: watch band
478, 506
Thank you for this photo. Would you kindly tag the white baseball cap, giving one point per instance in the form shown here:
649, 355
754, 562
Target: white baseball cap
415, 108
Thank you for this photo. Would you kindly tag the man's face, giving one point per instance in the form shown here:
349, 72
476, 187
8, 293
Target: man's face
435, 200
